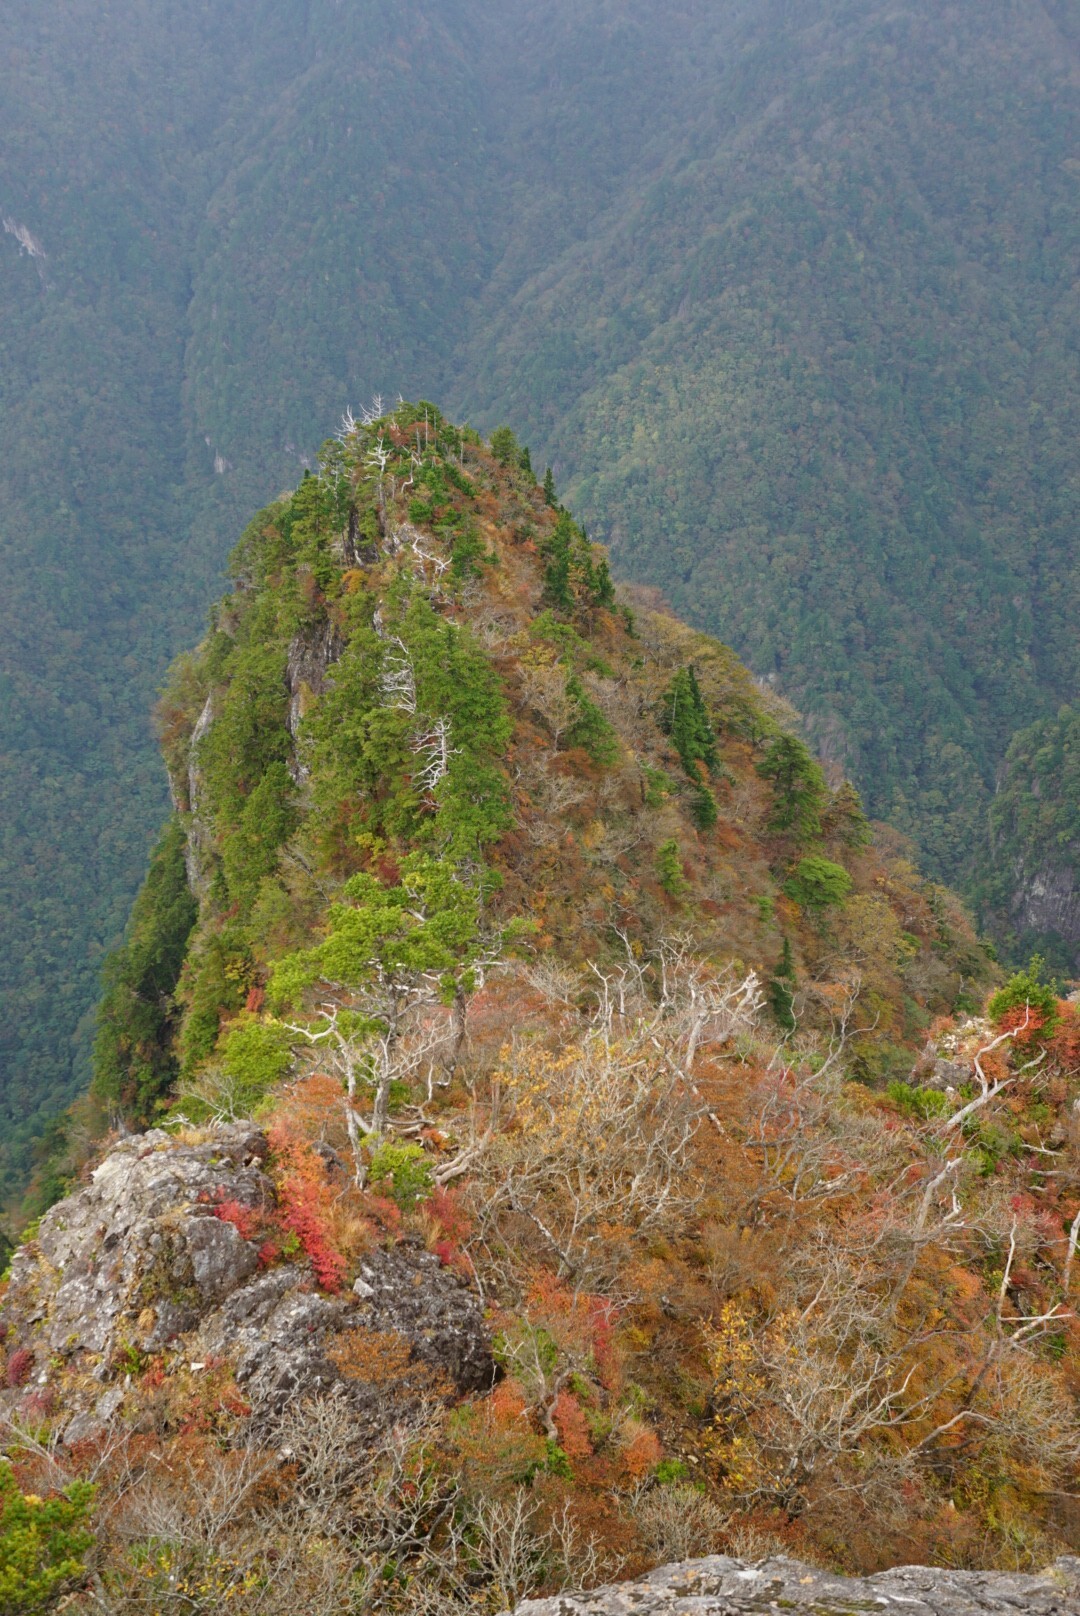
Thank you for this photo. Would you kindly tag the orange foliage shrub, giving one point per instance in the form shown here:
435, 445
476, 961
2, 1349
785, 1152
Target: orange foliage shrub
572, 1426
641, 1451
384, 1358
1064, 1046
313, 1110
305, 1199
1027, 1021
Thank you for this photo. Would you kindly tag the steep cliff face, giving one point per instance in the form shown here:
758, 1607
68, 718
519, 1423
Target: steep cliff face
1033, 887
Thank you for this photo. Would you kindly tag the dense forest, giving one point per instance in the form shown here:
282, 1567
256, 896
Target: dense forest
811, 380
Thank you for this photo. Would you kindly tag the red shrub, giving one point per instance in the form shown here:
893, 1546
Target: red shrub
383, 1210
304, 1197
1064, 1046
20, 1366
447, 1211
246, 1220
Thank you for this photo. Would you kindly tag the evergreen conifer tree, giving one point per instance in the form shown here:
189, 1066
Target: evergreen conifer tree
686, 720
799, 786
782, 989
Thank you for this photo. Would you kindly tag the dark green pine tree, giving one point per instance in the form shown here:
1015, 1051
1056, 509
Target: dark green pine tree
799, 786
133, 1060
603, 589
549, 487
686, 720
782, 990
558, 591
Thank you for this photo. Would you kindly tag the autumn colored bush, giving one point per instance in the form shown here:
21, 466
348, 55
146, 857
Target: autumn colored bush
305, 1203
1064, 1044
572, 1426
640, 1450
20, 1366
246, 1220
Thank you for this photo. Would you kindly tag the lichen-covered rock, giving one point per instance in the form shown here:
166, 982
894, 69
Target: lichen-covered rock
407, 1290
728, 1587
138, 1255
281, 1336
719, 1586
138, 1260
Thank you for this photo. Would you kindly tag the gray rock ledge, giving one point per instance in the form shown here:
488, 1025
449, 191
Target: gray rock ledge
719, 1586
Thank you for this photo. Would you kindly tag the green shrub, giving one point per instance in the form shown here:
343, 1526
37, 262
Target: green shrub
817, 883
255, 1056
42, 1544
406, 1170
918, 1102
656, 786
669, 869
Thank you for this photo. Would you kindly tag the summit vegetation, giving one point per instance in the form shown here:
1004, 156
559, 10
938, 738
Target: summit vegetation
516, 915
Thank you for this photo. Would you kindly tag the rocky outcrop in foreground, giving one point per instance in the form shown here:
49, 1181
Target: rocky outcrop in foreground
139, 1265
719, 1586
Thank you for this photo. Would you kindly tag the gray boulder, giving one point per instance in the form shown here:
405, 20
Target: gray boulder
719, 1586
138, 1255
406, 1290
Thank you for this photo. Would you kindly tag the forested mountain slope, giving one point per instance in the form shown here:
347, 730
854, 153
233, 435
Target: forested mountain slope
812, 379
575, 1142
819, 380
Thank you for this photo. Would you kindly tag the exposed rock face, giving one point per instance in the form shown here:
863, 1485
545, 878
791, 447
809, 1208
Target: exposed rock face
187, 796
138, 1254
719, 1586
1048, 900
140, 1259
311, 654
406, 1289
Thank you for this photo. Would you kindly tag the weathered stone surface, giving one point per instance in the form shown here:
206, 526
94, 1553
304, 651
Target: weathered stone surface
406, 1289
138, 1258
719, 1586
312, 653
281, 1336
1048, 899
946, 1074
138, 1255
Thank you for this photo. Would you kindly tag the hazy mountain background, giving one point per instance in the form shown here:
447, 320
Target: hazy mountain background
786, 292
